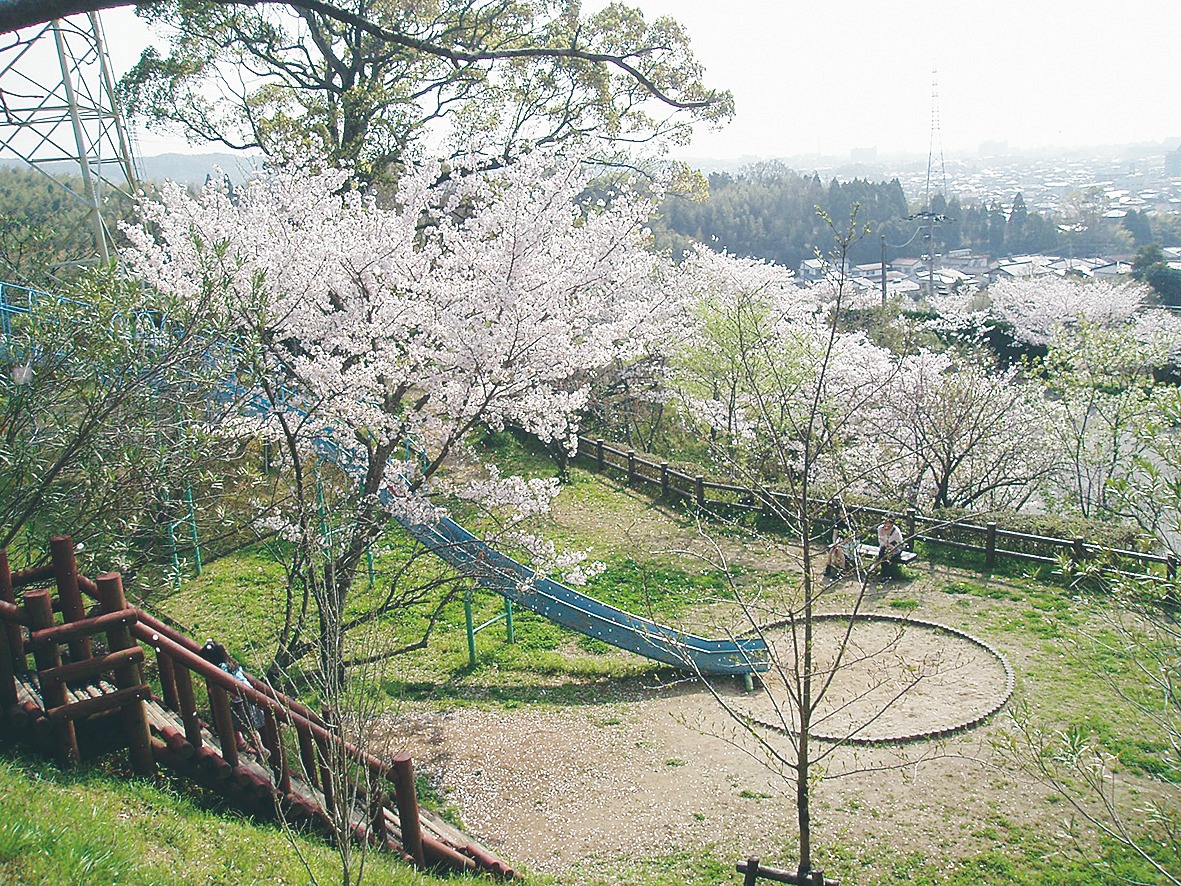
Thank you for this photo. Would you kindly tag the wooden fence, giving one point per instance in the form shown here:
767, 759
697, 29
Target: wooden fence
988, 539
88, 677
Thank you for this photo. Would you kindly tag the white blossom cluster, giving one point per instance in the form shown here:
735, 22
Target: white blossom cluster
1036, 309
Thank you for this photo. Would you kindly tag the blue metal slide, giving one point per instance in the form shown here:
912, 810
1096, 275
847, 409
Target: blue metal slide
584, 614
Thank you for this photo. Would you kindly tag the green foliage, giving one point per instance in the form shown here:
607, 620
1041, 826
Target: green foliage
1105, 533
43, 226
470, 77
99, 435
768, 211
1151, 267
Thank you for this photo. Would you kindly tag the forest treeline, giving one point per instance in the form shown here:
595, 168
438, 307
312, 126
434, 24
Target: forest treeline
772, 212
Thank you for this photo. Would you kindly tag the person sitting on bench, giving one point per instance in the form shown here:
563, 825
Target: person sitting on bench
889, 548
841, 549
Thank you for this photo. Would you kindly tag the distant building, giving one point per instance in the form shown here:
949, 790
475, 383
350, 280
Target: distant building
812, 269
1173, 163
874, 269
1113, 268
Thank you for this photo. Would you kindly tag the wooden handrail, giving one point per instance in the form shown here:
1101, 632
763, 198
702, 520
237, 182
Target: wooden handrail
12, 613
91, 667
234, 686
88, 627
36, 575
76, 710
193, 646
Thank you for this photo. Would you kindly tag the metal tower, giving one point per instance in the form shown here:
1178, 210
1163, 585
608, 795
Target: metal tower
927, 215
936, 144
58, 113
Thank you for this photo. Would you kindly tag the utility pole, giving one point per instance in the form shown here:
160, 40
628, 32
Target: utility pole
931, 219
883, 270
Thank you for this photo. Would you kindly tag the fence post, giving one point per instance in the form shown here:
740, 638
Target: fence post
135, 718
167, 671
699, 483
989, 544
326, 748
377, 807
7, 676
406, 799
47, 655
187, 705
752, 871
599, 454
65, 570
1171, 567
664, 479
223, 721
307, 754
277, 757
631, 466
1078, 552
16, 643
910, 528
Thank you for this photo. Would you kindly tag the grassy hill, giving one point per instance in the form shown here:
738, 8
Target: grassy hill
91, 827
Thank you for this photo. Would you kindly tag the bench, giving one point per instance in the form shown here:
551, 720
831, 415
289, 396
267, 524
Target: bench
870, 552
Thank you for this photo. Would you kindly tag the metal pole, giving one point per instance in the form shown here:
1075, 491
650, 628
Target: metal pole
471, 629
126, 158
174, 547
193, 527
883, 270
100, 233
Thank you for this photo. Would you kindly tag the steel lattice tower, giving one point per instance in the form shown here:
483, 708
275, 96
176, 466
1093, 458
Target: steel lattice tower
58, 113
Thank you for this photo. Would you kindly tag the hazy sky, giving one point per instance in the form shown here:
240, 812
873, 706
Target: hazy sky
829, 77
818, 76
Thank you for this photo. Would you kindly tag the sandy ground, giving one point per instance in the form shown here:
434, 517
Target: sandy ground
665, 768
652, 769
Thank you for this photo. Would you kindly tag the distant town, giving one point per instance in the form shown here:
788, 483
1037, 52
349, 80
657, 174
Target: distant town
1078, 191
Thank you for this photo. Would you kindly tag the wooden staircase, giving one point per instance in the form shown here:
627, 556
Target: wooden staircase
86, 694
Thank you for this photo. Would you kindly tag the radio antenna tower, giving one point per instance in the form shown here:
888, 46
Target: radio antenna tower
60, 116
936, 143
928, 215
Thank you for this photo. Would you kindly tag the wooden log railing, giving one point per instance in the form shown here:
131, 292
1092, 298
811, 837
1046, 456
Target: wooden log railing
318, 790
754, 872
988, 539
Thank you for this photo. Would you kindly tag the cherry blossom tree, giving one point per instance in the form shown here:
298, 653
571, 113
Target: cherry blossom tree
959, 435
1101, 385
393, 330
1035, 309
749, 369
1149, 491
